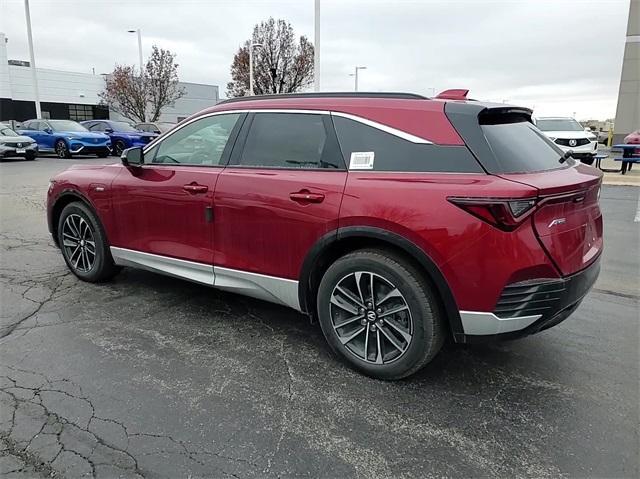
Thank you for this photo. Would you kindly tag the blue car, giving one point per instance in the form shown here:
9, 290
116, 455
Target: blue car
66, 138
122, 134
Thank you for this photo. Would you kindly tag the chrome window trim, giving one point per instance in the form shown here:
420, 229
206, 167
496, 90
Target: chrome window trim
277, 290
482, 323
374, 124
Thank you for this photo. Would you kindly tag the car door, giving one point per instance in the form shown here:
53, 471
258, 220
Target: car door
47, 137
32, 130
280, 193
164, 207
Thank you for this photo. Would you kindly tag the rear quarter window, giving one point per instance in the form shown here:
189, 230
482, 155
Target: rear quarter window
392, 153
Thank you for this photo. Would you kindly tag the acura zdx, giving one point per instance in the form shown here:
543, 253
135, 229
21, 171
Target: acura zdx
397, 221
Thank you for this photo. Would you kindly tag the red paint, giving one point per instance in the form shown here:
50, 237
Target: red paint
260, 228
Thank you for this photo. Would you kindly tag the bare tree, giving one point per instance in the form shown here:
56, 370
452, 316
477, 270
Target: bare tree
162, 81
280, 65
142, 95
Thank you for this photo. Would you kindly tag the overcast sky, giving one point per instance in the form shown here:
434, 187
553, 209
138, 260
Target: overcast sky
557, 56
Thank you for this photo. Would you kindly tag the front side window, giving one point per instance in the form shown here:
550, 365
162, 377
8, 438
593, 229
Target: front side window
288, 140
123, 126
97, 127
199, 143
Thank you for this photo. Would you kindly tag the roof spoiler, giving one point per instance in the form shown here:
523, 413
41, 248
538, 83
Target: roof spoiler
453, 94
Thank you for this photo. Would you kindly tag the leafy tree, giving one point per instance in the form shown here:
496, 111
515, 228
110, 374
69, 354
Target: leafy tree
142, 95
280, 65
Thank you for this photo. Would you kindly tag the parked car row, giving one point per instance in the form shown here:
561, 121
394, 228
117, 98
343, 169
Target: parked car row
66, 138
570, 135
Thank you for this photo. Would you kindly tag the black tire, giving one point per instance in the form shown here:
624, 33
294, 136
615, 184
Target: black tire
118, 148
422, 317
102, 268
62, 150
30, 155
103, 154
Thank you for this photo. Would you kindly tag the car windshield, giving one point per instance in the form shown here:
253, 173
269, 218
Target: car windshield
66, 125
6, 131
559, 124
123, 126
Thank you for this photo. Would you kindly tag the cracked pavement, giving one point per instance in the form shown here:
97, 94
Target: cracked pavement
149, 376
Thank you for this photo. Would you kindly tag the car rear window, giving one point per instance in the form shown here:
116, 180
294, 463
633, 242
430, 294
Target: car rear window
519, 147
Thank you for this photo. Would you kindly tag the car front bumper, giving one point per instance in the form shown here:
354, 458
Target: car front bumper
529, 307
87, 149
11, 151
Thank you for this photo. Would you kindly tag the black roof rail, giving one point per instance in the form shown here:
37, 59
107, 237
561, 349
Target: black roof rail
337, 94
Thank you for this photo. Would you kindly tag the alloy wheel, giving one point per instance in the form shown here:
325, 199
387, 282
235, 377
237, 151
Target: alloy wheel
371, 317
61, 149
119, 147
78, 243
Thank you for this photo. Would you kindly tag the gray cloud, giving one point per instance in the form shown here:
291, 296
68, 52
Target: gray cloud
559, 56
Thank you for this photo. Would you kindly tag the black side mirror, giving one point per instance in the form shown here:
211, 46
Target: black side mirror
108, 130
157, 132
132, 156
48, 130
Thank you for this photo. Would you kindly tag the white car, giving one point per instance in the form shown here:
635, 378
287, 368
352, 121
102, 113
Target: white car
568, 134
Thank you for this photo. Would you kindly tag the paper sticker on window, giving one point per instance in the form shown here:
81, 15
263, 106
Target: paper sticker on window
361, 160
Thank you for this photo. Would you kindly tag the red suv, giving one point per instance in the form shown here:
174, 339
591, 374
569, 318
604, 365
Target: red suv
397, 221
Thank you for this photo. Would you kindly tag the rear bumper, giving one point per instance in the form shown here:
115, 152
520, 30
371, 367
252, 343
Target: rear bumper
529, 307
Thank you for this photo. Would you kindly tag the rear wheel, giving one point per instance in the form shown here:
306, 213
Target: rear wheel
103, 154
83, 244
62, 150
379, 313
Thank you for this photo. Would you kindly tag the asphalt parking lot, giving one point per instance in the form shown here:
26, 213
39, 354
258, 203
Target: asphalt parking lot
149, 376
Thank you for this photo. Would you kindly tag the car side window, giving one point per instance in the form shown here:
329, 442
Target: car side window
377, 150
199, 143
289, 140
97, 127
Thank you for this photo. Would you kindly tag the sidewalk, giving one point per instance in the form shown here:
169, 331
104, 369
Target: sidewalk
630, 178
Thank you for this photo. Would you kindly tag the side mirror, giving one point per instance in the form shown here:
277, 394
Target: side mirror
48, 130
157, 132
132, 156
108, 130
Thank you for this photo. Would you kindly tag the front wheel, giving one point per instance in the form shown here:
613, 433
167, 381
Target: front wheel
380, 314
62, 150
118, 147
30, 155
84, 245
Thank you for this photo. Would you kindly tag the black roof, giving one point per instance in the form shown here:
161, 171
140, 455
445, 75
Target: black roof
337, 94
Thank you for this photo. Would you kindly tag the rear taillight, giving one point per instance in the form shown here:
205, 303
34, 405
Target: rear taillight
505, 214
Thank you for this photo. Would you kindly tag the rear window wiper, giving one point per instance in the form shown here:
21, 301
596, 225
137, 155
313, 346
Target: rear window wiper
568, 154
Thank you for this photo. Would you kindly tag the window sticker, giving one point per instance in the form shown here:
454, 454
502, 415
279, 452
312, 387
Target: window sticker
361, 160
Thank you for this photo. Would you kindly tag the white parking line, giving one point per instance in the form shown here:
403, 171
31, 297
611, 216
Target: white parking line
637, 218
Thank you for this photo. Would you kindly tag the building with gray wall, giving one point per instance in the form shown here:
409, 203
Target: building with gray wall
628, 110
75, 96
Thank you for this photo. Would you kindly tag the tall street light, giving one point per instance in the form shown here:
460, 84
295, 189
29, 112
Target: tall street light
139, 46
251, 47
355, 74
32, 60
316, 49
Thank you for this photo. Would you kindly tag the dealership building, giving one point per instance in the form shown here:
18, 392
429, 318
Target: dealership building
75, 96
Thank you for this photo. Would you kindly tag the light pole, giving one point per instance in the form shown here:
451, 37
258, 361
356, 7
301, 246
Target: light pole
316, 48
139, 46
251, 46
355, 74
32, 59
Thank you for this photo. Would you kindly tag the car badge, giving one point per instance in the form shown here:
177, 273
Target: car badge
19, 145
573, 142
557, 221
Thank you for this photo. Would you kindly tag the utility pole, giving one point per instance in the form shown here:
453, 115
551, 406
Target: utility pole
355, 74
32, 59
316, 48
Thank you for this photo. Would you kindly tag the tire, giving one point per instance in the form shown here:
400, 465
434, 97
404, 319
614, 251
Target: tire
419, 330
103, 154
118, 148
74, 220
62, 150
30, 156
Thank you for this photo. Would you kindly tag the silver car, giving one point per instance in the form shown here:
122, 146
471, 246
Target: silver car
14, 145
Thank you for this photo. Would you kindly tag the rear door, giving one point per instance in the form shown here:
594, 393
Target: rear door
164, 207
280, 193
